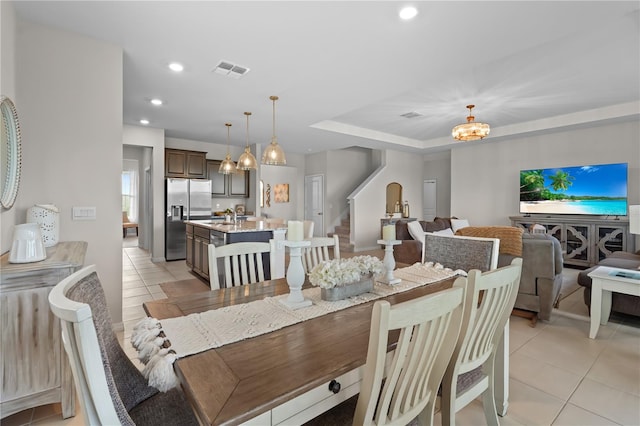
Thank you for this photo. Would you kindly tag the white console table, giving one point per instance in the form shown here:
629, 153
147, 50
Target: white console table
35, 368
604, 281
585, 240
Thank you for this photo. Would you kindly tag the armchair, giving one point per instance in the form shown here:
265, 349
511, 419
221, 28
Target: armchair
541, 277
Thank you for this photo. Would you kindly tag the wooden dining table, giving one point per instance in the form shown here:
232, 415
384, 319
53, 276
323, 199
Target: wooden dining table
290, 375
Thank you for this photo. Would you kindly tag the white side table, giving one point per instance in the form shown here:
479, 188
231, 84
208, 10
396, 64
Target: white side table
604, 281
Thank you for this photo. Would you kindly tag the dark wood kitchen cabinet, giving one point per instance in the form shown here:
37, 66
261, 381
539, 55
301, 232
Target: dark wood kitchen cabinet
233, 185
180, 163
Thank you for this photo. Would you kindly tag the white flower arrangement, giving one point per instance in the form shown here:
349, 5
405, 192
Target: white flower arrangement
340, 272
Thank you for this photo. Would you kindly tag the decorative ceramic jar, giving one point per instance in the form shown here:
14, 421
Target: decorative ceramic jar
349, 290
48, 217
27, 245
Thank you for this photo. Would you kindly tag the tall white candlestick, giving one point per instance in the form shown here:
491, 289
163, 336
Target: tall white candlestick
389, 262
295, 276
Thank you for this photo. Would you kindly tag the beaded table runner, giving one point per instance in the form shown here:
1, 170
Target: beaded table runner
211, 329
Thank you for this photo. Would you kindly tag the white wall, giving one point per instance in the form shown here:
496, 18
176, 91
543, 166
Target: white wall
485, 176
8, 218
274, 175
70, 91
438, 166
368, 205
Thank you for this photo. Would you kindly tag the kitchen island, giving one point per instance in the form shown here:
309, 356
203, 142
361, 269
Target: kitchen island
201, 233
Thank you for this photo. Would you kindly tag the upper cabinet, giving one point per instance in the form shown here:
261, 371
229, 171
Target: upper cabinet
234, 185
179, 163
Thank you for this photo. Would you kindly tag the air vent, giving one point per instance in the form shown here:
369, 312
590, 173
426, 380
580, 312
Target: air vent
231, 70
411, 114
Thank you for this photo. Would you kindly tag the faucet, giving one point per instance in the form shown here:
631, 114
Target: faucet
235, 217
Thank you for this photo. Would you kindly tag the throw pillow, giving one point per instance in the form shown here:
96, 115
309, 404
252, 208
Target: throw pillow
416, 231
510, 237
447, 231
459, 224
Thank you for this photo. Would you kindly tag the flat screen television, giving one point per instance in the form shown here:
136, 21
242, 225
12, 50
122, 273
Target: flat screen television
596, 189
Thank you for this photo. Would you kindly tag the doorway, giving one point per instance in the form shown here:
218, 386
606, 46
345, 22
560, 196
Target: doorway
314, 202
429, 194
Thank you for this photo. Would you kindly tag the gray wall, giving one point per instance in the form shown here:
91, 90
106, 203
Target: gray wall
485, 176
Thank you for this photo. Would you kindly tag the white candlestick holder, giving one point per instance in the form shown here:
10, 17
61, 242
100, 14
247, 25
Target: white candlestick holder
389, 262
295, 275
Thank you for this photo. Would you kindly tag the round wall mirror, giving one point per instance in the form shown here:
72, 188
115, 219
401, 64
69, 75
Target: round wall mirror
10, 153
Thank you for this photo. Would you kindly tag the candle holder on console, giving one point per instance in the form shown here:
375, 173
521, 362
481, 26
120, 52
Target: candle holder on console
295, 275
389, 262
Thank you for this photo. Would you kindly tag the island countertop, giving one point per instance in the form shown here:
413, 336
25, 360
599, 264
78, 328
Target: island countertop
241, 226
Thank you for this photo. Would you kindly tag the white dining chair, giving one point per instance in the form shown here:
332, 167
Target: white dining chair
321, 249
242, 263
307, 229
110, 388
489, 299
394, 391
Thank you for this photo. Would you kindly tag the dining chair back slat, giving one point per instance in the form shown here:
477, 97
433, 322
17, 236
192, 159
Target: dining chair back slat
407, 387
319, 251
489, 300
242, 263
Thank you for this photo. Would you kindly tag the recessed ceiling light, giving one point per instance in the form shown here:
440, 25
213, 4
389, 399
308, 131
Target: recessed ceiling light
408, 12
156, 101
175, 66
144, 121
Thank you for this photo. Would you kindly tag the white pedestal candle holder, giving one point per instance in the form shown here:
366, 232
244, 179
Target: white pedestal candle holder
389, 262
295, 275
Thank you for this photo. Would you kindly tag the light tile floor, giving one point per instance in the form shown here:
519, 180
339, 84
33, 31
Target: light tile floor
558, 376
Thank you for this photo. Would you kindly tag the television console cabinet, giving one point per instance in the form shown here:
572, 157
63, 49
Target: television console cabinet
585, 240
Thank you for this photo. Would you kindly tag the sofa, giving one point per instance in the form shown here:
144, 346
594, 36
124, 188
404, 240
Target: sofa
622, 303
542, 262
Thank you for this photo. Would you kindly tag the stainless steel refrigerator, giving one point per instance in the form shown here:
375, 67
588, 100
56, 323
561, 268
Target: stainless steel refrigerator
185, 199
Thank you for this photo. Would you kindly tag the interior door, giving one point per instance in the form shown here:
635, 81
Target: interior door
429, 190
314, 202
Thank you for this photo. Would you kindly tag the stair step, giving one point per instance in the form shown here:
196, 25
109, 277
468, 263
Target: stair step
342, 230
347, 248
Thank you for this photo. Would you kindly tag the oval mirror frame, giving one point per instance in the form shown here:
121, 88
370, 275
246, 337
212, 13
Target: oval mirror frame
11, 153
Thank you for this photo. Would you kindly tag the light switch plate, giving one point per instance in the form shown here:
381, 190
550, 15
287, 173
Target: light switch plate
83, 213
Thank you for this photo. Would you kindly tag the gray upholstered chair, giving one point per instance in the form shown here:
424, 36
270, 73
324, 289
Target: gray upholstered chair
458, 252
111, 389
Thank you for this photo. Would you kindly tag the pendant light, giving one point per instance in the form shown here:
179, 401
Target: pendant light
274, 155
247, 161
227, 167
470, 131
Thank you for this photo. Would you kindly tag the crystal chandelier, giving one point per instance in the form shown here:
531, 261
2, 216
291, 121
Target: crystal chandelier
227, 167
274, 155
247, 161
470, 131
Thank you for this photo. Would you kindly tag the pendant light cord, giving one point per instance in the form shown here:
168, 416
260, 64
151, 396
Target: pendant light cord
274, 99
